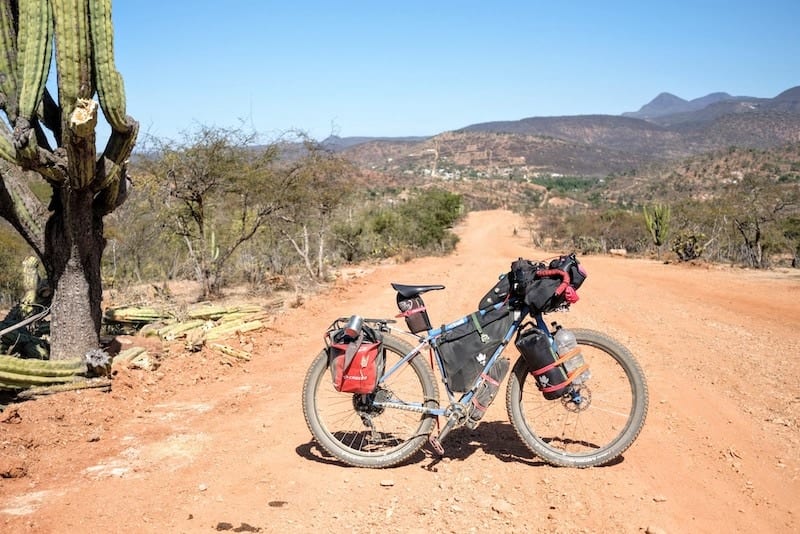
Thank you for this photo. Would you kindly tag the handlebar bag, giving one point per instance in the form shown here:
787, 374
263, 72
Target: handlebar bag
540, 295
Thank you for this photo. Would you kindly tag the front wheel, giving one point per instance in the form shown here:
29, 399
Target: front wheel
356, 431
606, 419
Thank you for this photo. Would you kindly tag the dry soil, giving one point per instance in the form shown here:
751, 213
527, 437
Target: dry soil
207, 444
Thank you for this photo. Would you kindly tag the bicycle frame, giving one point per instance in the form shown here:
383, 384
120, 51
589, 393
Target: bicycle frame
431, 340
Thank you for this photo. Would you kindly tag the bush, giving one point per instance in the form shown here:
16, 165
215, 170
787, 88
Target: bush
15, 250
420, 225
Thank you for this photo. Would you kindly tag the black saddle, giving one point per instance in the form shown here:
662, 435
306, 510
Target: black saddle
412, 291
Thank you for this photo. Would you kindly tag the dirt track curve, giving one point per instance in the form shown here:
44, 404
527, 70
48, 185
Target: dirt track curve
203, 445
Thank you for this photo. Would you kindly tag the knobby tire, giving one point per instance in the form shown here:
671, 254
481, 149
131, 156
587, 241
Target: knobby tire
596, 436
345, 426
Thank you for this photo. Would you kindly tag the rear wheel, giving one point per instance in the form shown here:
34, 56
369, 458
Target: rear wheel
353, 429
594, 426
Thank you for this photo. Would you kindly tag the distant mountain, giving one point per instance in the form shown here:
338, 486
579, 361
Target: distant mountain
336, 143
670, 110
669, 104
666, 128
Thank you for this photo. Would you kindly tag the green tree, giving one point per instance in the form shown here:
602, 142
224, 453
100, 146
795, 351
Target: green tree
317, 186
218, 193
791, 231
55, 140
758, 205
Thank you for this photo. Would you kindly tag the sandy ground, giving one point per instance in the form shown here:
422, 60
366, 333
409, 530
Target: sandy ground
206, 444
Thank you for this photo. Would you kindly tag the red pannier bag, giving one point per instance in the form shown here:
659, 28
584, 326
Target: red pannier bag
356, 364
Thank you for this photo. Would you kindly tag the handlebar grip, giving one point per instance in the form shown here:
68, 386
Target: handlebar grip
555, 272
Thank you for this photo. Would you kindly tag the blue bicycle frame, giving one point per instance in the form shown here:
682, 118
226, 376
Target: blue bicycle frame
431, 339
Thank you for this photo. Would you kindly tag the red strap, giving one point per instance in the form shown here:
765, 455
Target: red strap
412, 311
489, 379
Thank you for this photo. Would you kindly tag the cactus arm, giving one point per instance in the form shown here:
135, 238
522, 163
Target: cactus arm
111, 93
72, 53
79, 113
7, 150
34, 41
20, 207
108, 82
112, 180
8, 61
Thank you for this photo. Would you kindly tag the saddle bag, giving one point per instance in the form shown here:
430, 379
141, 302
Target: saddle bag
414, 311
466, 348
356, 360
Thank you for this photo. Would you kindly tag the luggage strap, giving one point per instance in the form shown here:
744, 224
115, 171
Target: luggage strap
484, 337
352, 349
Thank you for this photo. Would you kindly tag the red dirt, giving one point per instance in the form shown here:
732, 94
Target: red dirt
206, 444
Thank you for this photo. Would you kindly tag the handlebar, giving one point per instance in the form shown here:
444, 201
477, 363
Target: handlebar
555, 272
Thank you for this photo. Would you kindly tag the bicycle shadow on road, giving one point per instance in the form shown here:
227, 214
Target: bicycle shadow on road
312, 451
494, 438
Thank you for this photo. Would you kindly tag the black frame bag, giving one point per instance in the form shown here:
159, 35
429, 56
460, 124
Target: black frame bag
466, 348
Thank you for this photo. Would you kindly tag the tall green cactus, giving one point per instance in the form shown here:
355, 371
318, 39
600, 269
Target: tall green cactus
68, 236
657, 221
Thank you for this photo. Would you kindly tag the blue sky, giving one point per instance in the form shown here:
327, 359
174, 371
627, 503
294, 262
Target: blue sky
421, 68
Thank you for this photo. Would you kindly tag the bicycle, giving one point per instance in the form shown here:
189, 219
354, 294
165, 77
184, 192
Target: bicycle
590, 419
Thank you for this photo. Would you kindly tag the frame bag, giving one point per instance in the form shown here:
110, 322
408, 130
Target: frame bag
466, 348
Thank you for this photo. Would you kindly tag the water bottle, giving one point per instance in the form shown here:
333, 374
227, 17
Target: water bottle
353, 327
566, 344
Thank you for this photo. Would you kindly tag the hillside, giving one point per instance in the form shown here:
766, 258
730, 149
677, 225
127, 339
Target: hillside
666, 129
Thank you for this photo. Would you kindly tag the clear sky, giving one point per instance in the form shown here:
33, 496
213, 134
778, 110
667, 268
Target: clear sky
382, 68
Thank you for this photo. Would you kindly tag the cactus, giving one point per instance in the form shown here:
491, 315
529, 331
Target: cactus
8, 63
34, 46
688, 245
108, 81
85, 188
657, 222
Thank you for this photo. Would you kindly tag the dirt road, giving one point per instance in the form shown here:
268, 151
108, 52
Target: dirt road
205, 445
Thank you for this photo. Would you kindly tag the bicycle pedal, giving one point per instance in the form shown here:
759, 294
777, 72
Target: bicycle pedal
436, 444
